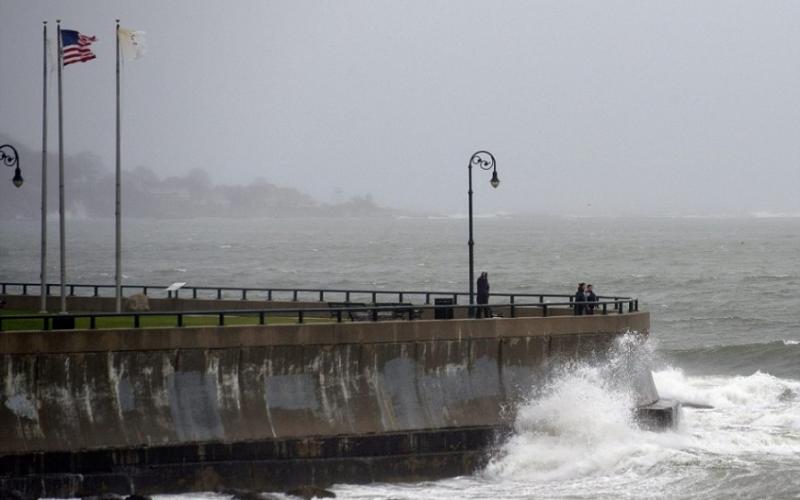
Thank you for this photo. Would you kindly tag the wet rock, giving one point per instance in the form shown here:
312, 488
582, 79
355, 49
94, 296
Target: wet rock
787, 395
8, 494
308, 492
137, 497
237, 494
696, 406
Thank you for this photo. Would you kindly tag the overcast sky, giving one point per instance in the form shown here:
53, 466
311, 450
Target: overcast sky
605, 107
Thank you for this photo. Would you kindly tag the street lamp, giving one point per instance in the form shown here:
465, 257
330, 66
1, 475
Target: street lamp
10, 158
484, 160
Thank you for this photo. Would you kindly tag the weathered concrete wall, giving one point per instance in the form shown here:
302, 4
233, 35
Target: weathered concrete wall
95, 389
266, 465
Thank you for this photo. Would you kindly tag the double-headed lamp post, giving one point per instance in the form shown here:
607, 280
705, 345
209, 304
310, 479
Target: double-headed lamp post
10, 158
484, 160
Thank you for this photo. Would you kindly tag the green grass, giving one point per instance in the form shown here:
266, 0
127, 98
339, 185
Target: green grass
157, 321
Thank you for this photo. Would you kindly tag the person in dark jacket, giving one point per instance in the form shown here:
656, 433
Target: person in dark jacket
483, 296
580, 298
591, 298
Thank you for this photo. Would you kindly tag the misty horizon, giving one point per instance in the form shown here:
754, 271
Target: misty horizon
612, 109
360, 204
90, 189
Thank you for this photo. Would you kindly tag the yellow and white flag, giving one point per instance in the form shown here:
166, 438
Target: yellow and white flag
132, 43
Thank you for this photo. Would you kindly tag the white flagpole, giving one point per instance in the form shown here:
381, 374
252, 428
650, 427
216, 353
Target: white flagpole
118, 195
43, 276
61, 227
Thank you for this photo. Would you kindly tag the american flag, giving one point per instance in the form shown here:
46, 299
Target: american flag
75, 47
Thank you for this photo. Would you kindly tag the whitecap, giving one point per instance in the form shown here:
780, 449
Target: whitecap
582, 425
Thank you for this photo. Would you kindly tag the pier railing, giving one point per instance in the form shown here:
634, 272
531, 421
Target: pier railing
285, 294
408, 312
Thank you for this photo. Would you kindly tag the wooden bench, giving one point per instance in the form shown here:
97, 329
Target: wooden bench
361, 315
399, 310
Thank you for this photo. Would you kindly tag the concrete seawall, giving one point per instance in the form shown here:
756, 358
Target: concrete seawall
125, 390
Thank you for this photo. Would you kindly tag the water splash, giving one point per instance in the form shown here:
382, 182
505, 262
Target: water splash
581, 422
755, 415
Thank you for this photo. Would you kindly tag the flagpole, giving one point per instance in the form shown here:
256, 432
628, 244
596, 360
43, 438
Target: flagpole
61, 226
43, 276
118, 195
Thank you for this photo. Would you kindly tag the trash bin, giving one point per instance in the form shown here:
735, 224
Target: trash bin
65, 322
443, 313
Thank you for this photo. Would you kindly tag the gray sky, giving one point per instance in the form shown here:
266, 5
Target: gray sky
608, 107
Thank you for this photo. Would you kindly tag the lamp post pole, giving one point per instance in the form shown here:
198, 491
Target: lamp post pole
43, 252
485, 160
10, 158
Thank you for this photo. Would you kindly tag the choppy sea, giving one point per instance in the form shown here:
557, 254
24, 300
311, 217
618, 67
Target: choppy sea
723, 295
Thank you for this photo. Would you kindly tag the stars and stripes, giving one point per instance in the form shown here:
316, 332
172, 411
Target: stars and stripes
75, 47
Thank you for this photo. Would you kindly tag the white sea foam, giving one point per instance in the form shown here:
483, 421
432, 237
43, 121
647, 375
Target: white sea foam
765, 214
194, 496
568, 431
753, 391
755, 415
582, 425
577, 439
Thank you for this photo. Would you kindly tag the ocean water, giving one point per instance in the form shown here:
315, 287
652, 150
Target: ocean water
723, 296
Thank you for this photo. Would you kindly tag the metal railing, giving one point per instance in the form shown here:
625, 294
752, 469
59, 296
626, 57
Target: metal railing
279, 294
408, 312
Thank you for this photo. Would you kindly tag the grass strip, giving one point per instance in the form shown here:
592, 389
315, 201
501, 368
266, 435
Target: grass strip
155, 321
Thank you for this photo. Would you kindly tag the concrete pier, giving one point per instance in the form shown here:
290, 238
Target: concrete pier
270, 407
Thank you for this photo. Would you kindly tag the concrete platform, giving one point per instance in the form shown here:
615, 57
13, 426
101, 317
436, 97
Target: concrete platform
173, 410
661, 415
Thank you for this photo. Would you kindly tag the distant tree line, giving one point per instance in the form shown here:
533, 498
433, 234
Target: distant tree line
90, 187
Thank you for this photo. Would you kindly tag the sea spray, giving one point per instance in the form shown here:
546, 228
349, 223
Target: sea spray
576, 440
581, 422
758, 390
628, 368
767, 407
556, 434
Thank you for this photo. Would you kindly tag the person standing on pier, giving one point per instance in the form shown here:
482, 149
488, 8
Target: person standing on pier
580, 298
483, 296
591, 298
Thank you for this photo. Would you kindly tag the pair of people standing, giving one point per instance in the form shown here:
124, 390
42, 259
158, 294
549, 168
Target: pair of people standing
483, 296
584, 300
